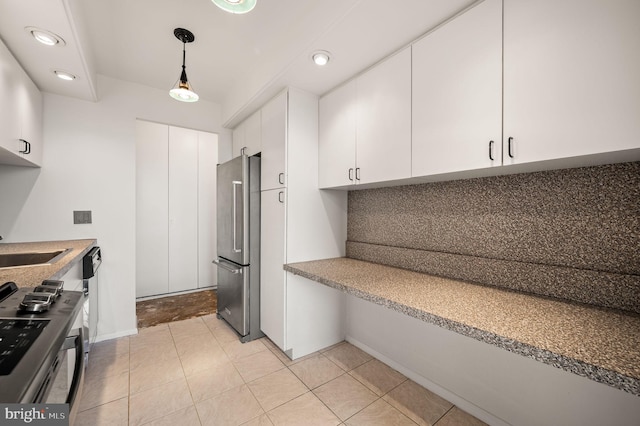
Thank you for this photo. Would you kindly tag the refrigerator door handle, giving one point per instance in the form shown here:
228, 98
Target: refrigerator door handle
235, 185
228, 268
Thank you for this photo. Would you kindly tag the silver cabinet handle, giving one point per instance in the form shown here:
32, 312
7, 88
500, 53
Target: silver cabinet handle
357, 173
235, 184
227, 268
351, 174
280, 198
243, 150
281, 178
491, 150
509, 144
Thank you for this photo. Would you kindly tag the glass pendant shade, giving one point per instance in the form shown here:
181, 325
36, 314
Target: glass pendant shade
236, 6
182, 90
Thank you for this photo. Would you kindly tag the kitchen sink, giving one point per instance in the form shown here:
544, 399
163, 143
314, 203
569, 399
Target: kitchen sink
12, 260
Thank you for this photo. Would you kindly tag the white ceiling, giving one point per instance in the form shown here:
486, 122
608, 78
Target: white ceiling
237, 61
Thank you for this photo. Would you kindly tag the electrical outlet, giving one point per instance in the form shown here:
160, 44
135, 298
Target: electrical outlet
81, 216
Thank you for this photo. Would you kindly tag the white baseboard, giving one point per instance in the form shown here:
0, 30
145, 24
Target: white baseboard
461, 403
177, 293
111, 336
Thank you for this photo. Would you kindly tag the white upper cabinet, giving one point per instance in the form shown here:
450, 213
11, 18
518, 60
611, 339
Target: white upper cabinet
274, 141
31, 121
20, 114
457, 94
248, 136
571, 78
383, 120
365, 126
337, 137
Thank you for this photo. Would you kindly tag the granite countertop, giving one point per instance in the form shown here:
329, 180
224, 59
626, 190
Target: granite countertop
600, 344
31, 276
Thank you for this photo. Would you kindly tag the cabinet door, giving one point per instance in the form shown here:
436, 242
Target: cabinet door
274, 137
152, 238
571, 83
31, 120
337, 137
10, 106
383, 120
207, 160
238, 139
252, 136
457, 94
247, 135
183, 211
272, 276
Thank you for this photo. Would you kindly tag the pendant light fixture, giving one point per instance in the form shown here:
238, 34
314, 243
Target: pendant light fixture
235, 6
182, 89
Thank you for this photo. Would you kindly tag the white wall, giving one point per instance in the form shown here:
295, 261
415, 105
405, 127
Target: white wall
89, 164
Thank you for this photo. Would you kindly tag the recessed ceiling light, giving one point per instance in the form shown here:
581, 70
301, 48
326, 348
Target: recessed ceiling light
321, 57
45, 37
64, 75
235, 6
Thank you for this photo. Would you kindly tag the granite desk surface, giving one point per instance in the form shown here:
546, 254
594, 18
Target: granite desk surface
31, 276
600, 344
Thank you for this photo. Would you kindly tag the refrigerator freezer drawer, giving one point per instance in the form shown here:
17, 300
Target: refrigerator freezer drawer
233, 295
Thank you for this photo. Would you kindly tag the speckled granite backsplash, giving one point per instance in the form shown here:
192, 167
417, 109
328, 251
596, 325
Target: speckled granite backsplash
572, 234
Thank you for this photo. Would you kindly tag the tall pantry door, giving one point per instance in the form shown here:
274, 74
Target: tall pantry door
152, 240
207, 160
183, 212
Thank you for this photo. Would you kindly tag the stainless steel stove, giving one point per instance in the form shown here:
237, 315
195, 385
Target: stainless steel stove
41, 344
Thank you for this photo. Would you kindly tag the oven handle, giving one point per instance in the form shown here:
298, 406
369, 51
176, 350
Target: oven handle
73, 399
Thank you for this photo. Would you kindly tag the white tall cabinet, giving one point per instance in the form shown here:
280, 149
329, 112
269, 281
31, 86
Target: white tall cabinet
175, 208
298, 222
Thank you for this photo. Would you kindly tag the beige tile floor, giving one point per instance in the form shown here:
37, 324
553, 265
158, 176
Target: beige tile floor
196, 372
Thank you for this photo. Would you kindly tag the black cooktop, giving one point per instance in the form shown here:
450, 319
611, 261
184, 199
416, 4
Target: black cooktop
16, 337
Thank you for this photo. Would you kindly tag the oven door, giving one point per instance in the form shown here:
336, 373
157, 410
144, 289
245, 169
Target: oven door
63, 384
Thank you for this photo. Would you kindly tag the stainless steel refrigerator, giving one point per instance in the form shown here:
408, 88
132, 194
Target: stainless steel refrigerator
238, 213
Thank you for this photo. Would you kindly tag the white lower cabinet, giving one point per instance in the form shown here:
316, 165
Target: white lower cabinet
272, 258
175, 209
